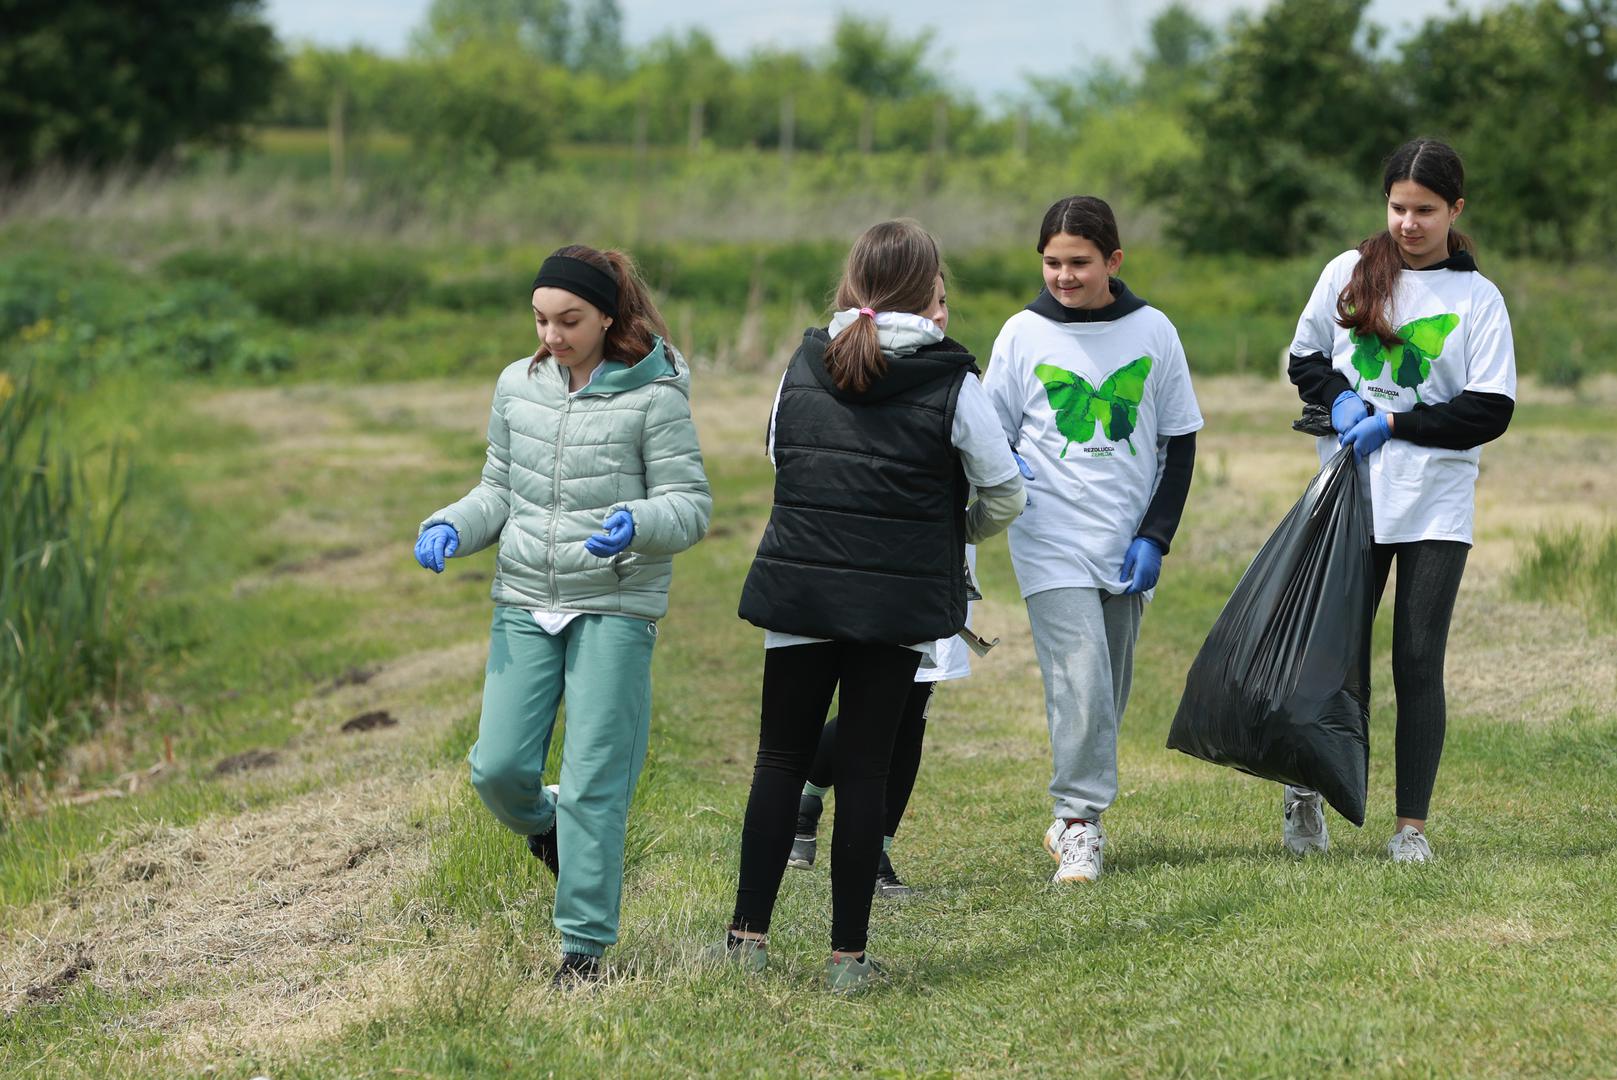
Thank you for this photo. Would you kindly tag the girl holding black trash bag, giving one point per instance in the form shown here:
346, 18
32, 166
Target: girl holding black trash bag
593, 482
1410, 349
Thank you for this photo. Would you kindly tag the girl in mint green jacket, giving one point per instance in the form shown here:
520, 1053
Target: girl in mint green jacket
593, 482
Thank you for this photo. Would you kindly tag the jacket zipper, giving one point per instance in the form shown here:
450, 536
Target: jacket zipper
555, 493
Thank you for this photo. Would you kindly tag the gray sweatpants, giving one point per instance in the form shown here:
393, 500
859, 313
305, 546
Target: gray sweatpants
1084, 639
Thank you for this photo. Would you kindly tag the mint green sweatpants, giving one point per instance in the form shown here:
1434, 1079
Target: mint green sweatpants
601, 666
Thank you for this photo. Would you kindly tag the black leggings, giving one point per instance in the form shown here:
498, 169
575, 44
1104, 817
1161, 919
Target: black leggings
798, 683
1429, 574
906, 755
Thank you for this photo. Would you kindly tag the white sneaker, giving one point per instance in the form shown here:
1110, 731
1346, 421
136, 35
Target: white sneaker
1303, 828
1081, 844
1408, 845
1052, 838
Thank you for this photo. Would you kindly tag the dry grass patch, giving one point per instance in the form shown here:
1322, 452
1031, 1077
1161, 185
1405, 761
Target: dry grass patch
254, 922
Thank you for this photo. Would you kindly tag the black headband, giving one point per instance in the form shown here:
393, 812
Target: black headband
581, 279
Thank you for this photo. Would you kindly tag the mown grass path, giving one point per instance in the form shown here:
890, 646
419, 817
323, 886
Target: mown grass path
292, 899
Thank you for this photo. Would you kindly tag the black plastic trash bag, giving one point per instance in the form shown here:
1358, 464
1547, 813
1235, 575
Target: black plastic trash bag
1281, 687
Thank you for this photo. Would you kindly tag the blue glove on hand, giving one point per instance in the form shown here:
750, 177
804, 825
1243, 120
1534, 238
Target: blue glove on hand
1367, 436
1141, 566
1347, 410
436, 544
1027, 473
616, 532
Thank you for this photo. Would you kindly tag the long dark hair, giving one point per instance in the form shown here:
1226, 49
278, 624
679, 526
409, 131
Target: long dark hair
1083, 216
1363, 306
893, 266
630, 337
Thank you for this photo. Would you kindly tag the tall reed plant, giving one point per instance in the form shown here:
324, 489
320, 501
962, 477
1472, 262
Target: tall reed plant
60, 642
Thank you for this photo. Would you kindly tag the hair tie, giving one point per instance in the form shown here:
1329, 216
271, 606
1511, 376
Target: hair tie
869, 312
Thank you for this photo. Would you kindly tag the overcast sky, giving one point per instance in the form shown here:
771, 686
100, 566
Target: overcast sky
984, 47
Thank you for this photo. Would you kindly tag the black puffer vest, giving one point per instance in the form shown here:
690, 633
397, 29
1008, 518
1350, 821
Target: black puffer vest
866, 540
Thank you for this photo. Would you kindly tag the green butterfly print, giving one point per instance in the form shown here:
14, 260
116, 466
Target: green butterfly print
1419, 344
1079, 406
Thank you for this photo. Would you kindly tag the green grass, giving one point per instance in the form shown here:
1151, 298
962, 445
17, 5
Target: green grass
272, 515
1574, 567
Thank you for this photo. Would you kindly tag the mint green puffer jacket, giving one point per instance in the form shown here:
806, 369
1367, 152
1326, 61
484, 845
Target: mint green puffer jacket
558, 465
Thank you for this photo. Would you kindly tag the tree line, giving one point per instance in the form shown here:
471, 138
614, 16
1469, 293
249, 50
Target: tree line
1257, 135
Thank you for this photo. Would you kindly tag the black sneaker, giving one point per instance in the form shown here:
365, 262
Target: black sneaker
577, 971
808, 824
888, 884
543, 847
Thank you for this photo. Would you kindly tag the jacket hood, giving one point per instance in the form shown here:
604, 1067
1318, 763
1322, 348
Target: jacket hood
662, 364
943, 360
1124, 302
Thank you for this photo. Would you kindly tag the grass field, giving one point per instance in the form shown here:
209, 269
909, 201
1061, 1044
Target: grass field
230, 884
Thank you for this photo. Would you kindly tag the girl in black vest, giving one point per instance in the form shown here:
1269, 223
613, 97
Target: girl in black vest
880, 431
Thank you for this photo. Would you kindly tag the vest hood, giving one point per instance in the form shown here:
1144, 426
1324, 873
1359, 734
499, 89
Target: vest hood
904, 373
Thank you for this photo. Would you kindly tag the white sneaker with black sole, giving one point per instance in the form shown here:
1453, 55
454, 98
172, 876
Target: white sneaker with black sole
1302, 827
1081, 844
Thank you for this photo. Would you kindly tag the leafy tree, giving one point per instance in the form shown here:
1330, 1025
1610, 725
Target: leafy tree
866, 56
1180, 40
1526, 92
600, 38
1299, 115
96, 84
478, 108
541, 27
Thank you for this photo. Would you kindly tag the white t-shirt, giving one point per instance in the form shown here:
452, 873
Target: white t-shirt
1085, 404
985, 457
1459, 339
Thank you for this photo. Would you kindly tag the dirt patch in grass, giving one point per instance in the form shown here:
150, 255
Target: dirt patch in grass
369, 721
269, 916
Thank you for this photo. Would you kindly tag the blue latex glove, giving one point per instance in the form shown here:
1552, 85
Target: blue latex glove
435, 545
1141, 566
616, 532
1367, 436
1027, 473
1347, 410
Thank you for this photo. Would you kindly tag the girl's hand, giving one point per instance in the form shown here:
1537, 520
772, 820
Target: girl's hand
1346, 411
1367, 435
1141, 566
616, 532
435, 544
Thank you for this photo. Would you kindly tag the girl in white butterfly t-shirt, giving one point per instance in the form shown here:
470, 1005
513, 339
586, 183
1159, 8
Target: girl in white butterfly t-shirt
1092, 389
1410, 349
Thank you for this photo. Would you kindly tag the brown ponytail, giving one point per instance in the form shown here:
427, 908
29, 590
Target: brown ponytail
893, 266
1362, 308
631, 335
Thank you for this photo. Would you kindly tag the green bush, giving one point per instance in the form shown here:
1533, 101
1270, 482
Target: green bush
77, 321
302, 289
59, 643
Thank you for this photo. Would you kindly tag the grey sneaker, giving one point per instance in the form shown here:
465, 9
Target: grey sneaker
1303, 827
749, 954
848, 975
1408, 845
